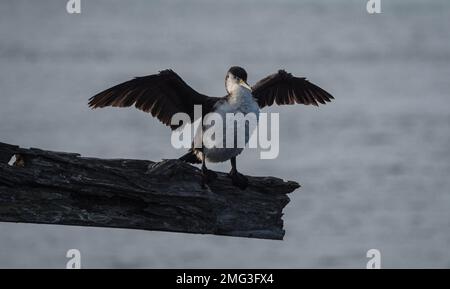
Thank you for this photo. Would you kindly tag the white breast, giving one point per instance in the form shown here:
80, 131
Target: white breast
242, 102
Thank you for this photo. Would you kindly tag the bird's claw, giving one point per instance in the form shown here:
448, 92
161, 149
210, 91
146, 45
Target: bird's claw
208, 176
238, 179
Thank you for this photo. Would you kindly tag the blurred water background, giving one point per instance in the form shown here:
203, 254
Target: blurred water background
374, 165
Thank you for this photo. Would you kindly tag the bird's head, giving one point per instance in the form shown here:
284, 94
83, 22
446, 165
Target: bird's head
235, 79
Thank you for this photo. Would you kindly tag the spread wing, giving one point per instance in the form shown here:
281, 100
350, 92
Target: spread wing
162, 95
284, 88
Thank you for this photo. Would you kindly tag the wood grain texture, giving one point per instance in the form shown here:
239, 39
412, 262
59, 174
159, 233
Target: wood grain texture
64, 188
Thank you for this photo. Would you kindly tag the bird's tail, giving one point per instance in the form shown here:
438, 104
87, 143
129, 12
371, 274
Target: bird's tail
190, 157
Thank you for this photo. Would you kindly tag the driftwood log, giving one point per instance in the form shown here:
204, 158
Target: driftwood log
63, 188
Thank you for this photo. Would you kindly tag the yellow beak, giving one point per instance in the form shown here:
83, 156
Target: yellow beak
245, 84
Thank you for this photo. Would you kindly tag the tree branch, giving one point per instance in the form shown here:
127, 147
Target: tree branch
66, 189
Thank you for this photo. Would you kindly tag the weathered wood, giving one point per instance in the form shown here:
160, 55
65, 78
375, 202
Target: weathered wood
63, 188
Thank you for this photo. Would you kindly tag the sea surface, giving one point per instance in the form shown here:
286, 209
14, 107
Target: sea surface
374, 165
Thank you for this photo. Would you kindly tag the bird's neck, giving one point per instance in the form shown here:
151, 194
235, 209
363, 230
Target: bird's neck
239, 96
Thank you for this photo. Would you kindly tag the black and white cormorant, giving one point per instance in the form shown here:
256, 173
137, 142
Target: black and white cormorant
165, 94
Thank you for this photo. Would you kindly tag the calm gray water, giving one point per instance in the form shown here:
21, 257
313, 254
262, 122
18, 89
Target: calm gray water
374, 165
